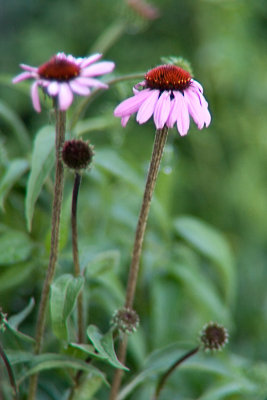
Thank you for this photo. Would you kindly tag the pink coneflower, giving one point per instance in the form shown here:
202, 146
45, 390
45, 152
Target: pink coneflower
63, 75
169, 94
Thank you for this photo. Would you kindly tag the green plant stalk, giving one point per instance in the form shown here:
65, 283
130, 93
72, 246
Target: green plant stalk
56, 211
75, 253
165, 376
10, 373
159, 143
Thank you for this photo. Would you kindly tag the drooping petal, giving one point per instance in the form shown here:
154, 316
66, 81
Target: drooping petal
35, 96
147, 107
53, 88
162, 109
82, 80
79, 89
207, 116
28, 68
22, 77
172, 115
100, 68
89, 60
183, 120
196, 84
132, 104
65, 96
194, 107
125, 120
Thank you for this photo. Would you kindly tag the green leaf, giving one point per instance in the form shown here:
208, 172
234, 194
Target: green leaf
15, 320
113, 164
42, 162
15, 247
8, 115
87, 349
15, 170
104, 346
88, 386
64, 292
50, 361
102, 262
94, 124
211, 244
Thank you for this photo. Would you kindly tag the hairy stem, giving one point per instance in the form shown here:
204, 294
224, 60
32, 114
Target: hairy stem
159, 143
10, 373
56, 211
75, 254
166, 375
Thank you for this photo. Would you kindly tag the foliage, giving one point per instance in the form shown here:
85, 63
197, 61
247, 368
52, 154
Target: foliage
204, 253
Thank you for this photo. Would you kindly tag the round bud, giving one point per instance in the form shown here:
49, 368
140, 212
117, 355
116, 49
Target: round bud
77, 154
125, 320
214, 336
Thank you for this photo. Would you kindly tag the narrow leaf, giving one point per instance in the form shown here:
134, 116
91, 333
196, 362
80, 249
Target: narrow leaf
42, 162
213, 245
15, 320
15, 247
104, 346
88, 386
15, 170
64, 292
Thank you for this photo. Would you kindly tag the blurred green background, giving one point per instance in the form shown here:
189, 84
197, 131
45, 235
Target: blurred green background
218, 175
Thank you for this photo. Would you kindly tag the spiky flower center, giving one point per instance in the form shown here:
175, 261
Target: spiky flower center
77, 154
59, 69
214, 336
168, 77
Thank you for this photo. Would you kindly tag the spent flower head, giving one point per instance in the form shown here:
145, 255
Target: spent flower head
170, 95
63, 76
77, 154
214, 336
125, 320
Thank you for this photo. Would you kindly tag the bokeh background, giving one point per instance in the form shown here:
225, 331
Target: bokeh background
217, 176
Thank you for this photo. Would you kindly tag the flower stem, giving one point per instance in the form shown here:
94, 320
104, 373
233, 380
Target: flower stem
159, 143
75, 253
56, 210
166, 375
10, 373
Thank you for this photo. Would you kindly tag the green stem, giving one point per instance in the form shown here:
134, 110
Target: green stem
10, 373
159, 143
56, 211
75, 254
175, 365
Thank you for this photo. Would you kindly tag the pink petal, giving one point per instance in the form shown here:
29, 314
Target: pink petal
35, 96
28, 68
125, 120
147, 108
79, 89
89, 60
197, 85
194, 108
183, 120
22, 77
53, 88
207, 116
91, 82
132, 104
162, 110
65, 96
172, 115
100, 68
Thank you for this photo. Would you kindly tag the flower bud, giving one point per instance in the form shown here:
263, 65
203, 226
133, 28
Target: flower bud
77, 154
214, 336
125, 320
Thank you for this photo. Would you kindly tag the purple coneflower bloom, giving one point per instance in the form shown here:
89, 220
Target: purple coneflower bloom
63, 75
169, 94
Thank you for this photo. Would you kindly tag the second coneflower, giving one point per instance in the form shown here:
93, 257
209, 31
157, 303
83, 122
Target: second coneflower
170, 95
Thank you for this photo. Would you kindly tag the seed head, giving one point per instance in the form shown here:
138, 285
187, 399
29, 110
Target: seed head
77, 154
125, 320
214, 336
